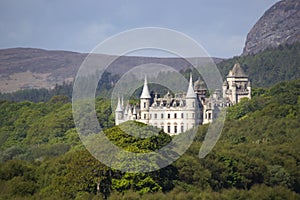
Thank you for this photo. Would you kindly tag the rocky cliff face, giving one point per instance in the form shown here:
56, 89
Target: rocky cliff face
279, 25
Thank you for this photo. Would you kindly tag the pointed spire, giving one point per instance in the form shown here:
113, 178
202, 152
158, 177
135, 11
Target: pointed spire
191, 93
119, 108
145, 93
122, 102
134, 111
129, 111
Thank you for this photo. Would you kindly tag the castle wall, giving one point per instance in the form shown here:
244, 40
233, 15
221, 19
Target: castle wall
173, 120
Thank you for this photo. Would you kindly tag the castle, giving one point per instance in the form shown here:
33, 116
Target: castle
178, 113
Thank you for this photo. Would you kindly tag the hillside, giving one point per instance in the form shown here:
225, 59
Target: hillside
279, 25
256, 157
268, 67
28, 68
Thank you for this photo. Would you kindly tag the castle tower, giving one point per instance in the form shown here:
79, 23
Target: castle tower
224, 88
237, 85
191, 105
145, 103
249, 89
134, 113
118, 113
191, 95
200, 89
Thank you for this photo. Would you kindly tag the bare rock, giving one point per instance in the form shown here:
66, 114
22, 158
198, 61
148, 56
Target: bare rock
278, 26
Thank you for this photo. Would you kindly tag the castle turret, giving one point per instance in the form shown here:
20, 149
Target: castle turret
145, 102
134, 113
200, 89
233, 93
237, 85
191, 105
224, 88
118, 113
249, 89
191, 96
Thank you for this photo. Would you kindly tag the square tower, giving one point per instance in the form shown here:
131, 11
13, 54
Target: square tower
237, 85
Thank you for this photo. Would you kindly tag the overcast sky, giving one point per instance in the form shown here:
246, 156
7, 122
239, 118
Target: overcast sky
220, 26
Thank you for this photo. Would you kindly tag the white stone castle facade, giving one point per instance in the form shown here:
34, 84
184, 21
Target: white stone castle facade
179, 113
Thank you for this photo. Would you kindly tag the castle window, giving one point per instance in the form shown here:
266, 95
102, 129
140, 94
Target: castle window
162, 115
182, 115
169, 129
144, 104
209, 115
150, 116
182, 129
169, 115
155, 116
175, 115
193, 115
175, 129
145, 116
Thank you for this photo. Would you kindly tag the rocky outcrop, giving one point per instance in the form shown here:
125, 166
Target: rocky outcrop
279, 25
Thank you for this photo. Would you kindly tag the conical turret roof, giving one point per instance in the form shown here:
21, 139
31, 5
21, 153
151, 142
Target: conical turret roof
145, 93
119, 107
191, 93
134, 111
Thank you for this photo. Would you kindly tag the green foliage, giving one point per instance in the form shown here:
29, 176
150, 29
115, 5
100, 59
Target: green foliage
257, 156
279, 101
268, 67
137, 137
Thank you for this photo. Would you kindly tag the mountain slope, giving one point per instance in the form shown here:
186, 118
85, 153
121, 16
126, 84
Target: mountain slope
269, 66
27, 68
279, 25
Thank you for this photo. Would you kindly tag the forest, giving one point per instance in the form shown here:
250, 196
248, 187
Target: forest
268, 67
257, 156
264, 69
